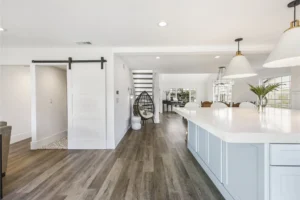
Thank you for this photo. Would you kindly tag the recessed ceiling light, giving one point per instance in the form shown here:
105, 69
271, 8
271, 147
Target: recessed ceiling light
157, 57
217, 57
2, 29
162, 24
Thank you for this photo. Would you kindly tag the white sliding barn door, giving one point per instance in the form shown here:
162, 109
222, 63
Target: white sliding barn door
87, 106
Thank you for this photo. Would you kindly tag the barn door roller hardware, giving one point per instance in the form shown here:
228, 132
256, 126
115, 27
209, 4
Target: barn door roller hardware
70, 61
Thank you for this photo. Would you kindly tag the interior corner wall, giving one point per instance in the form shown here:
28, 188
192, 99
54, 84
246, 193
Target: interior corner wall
122, 82
15, 107
51, 105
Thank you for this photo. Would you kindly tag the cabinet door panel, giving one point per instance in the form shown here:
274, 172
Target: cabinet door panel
192, 135
202, 144
284, 184
244, 171
215, 155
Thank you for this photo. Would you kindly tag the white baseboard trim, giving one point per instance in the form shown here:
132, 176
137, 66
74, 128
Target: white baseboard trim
19, 137
40, 143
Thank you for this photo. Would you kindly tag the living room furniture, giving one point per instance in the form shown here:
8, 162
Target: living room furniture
219, 105
144, 107
171, 103
2, 123
167, 103
136, 123
206, 103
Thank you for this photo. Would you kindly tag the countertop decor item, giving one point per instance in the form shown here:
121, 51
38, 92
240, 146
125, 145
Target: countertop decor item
239, 67
287, 51
261, 91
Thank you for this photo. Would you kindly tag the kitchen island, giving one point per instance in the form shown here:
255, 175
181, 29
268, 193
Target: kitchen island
248, 155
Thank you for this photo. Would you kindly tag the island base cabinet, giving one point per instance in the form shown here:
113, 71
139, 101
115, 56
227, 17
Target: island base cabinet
192, 135
284, 183
243, 171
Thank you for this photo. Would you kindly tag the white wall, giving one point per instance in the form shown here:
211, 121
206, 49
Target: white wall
123, 81
15, 100
186, 81
51, 105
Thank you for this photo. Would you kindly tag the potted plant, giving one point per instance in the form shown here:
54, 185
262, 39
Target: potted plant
261, 91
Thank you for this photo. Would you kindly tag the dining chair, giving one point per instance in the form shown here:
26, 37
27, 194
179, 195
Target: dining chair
206, 103
2, 123
5, 131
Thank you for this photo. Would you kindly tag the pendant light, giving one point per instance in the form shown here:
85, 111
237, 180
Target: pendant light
239, 67
287, 50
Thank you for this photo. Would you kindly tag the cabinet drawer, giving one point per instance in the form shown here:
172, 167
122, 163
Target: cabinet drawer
285, 154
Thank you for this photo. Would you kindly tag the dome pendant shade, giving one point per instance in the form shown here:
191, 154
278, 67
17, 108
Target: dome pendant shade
287, 50
239, 67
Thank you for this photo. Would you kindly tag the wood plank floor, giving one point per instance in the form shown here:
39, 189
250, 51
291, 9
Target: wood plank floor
149, 164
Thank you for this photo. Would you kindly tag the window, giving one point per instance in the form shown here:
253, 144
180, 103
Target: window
193, 95
184, 95
281, 97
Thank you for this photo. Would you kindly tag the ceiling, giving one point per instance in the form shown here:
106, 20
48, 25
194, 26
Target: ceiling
187, 63
58, 23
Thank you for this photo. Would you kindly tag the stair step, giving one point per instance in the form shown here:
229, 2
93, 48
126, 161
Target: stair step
139, 92
139, 73
142, 82
142, 78
142, 71
143, 87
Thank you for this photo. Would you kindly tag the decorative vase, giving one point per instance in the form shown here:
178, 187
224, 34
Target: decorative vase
262, 103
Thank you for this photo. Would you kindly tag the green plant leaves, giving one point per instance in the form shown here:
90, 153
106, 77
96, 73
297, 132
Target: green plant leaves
262, 90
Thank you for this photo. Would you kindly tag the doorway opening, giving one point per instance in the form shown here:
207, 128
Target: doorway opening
51, 107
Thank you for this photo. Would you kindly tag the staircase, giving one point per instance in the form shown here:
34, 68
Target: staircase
143, 81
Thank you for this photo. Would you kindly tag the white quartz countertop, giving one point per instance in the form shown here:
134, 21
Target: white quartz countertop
238, 125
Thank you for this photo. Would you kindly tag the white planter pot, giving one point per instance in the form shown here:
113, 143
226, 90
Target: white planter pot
136, 123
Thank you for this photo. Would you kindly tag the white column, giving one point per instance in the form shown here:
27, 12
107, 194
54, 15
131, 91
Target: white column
156, 97
33, 104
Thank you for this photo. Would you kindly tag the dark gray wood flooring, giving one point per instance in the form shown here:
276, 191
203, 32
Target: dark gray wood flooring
150, 164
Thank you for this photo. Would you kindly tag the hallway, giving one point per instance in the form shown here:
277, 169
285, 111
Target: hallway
152, 163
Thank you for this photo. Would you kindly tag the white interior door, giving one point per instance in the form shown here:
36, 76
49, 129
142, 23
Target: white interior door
87, 106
